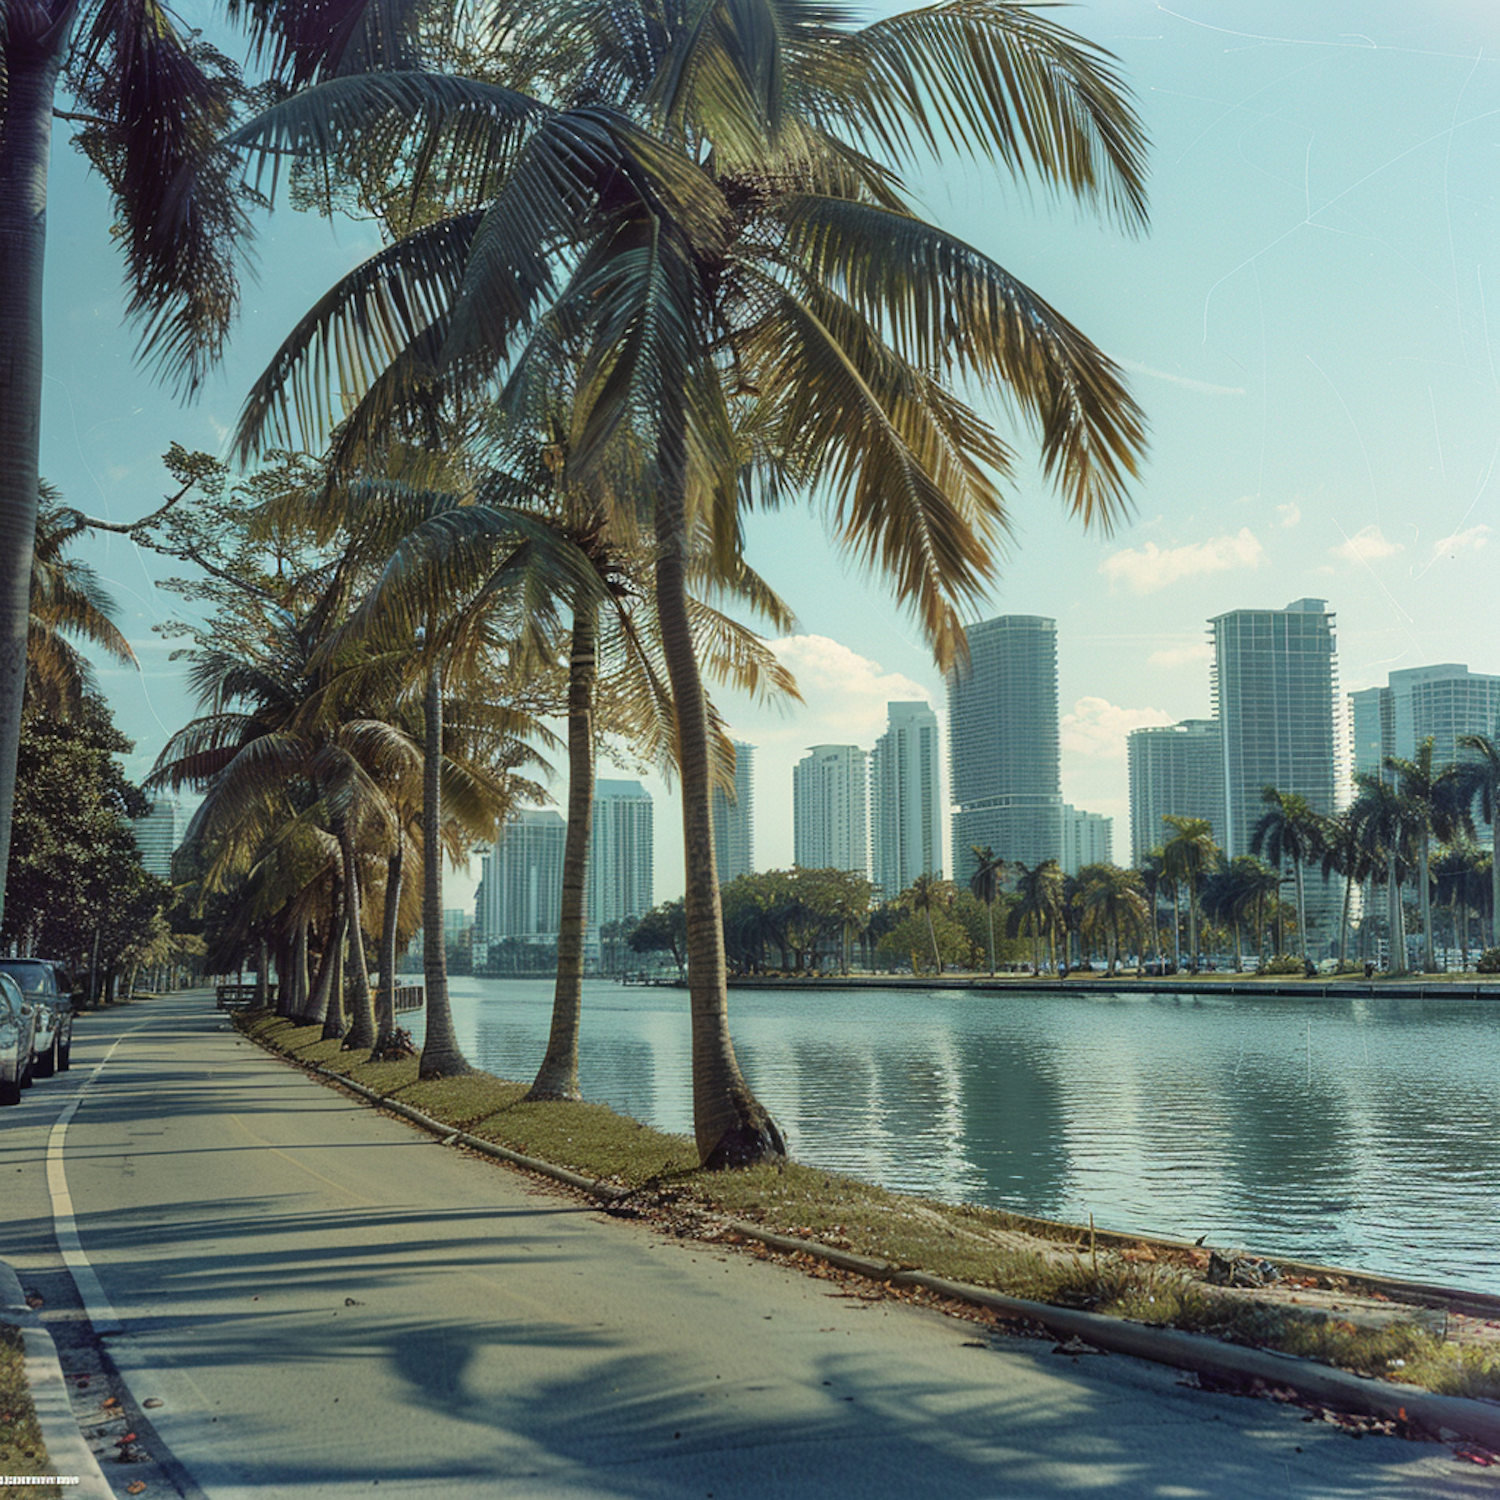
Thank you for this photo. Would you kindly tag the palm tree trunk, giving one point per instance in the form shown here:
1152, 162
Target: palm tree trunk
1301, 908
441, 1055
317, 999
25, 147
730, 1125
937, 957
557, 1078
390, 918
1424, 902
362, 1011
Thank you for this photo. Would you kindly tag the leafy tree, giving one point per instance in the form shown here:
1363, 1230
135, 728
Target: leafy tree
927, 894
663, 929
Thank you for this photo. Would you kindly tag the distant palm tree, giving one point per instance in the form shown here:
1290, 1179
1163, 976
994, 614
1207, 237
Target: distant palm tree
1190, 854
1112, 898
1382, 818
1341, 852
925, 892
1477, 781
985, 884
1288, 833
1432, 811
1038, 907
1153, 879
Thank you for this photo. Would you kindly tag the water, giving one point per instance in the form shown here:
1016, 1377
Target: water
1354, 1132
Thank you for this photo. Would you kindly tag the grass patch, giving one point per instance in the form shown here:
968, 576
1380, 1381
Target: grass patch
21, 1448
1057, 1264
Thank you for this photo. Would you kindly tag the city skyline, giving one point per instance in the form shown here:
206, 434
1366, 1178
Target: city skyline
1305, 325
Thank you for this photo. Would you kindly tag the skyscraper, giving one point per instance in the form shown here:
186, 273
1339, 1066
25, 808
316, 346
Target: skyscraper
830, 827
1178, 769
905, 799
620, 856
156, 834
1004, 750
520, 888
1088, 839
1442, 702
1372, 729
734, 819
1275, 678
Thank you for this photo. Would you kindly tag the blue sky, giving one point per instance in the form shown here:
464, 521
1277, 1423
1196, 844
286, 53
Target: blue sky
1308, 325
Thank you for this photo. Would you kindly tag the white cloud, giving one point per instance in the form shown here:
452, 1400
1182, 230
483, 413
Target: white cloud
845, 694
1368, 545
1462, 541
1151, 568
1096, 727
1288, 515
1200, 653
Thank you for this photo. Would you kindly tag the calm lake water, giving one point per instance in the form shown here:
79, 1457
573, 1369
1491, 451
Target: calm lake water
1354, 1132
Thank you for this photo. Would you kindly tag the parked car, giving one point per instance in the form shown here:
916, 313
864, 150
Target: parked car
17, 1031
38, 982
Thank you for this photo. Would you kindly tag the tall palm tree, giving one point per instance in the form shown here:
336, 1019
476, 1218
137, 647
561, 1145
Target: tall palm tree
1382, 817
1341, 852
924, 893
989, 871
706, 203
152, 103
1038, 906
1288, 833
1430, 796
1113, 898
68, 604
1189, 855
1477, 781
1153, 878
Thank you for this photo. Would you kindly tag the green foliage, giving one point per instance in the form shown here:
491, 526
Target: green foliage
1489, 961
22, 1450
1282, 963
662, 930
75, 871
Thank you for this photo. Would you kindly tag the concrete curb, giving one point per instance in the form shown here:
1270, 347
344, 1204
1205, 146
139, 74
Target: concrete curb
1447, 1416
66, 1449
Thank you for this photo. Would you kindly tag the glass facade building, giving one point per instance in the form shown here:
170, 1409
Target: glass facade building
1175, 769
1005, 755
830, 819
520, 887
734, 819
621, 854
906, 806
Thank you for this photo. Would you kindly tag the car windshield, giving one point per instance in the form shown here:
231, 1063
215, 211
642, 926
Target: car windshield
34, 978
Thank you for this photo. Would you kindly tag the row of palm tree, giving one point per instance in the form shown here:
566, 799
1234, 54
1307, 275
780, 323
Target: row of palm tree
645, 268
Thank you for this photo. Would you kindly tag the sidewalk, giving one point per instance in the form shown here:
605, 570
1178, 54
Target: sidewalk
326, 1300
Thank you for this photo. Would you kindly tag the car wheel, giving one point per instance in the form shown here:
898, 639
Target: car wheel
63, 1053
26, 1074
10, 1091
46, 1064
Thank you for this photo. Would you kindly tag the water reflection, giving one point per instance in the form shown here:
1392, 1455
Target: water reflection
1357, 1132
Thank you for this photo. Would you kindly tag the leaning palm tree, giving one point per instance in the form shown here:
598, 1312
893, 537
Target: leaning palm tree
924, 893
1288, 833
1477, 784
705, 204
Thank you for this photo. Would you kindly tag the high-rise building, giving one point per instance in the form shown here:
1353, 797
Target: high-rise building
156, 834
1005, 754
1372, 729
1088, 839
905, 799
621, 855
520, 887
1442, 702
830, 827
1174, 769
1275, 681
734, 818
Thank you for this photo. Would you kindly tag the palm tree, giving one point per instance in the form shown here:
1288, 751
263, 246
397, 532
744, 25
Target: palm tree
925, 892
1113, 897
1340, 852
749, 294
1038, 906
1153, 878
1431, 801
1382, 818
68, 603
1288, 833
1477, 782
985, 884
152, 104
1189, 855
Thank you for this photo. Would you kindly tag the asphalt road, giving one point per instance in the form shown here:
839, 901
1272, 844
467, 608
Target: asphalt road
327, 1302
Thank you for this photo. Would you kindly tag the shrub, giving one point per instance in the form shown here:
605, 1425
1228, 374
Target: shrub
1489, 961
1282, 963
